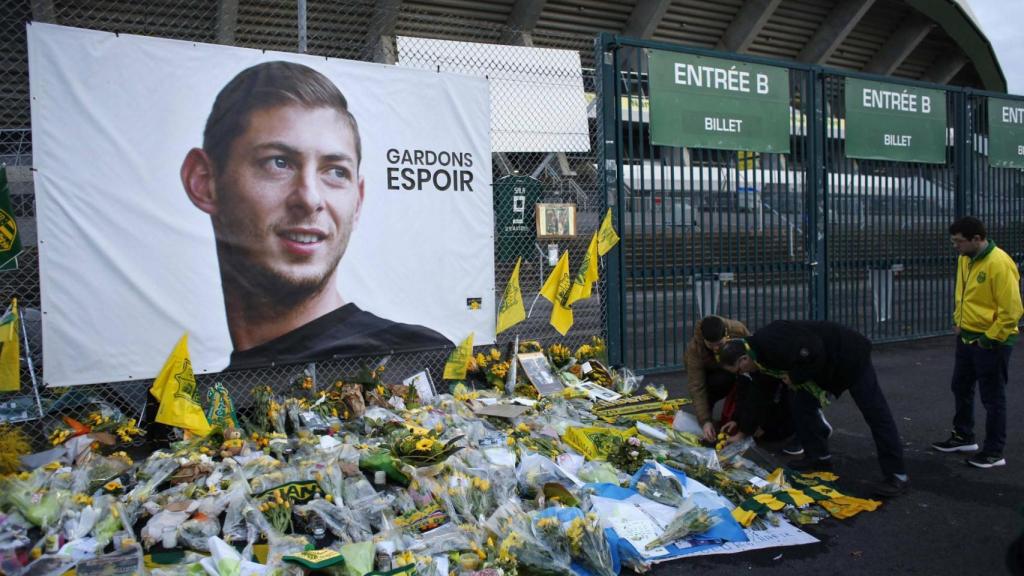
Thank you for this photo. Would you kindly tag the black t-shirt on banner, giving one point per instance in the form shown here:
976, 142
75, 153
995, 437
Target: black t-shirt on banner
347, 331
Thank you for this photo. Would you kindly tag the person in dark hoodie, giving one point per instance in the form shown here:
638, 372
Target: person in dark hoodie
820, 360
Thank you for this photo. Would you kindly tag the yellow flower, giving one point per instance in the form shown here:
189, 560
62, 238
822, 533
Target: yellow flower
425, 444
547, 522
112, 486
329, 498
495, 355
510, 441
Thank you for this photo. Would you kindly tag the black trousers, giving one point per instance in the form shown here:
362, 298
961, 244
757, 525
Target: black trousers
763, 402
866, 393
718, 384
989, 368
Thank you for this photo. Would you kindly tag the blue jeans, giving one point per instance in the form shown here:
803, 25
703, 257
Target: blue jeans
989, 368
868, 396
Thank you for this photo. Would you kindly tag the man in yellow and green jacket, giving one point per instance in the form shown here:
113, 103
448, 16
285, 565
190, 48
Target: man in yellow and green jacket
986, 314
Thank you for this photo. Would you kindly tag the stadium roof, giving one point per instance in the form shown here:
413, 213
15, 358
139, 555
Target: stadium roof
933, 40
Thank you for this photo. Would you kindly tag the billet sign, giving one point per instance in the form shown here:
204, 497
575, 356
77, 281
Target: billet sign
705, 102
895, 122
1005, 133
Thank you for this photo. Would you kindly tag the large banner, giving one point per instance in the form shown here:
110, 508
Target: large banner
277, 207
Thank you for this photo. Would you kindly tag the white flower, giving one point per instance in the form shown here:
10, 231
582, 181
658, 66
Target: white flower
634, 454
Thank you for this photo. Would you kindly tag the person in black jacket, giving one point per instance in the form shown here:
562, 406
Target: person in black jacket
820, 360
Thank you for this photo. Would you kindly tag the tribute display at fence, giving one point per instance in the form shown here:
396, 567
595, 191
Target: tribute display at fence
277, 207
705, 102
1006, 133
895, 122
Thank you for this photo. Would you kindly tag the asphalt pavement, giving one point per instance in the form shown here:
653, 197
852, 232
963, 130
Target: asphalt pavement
956, 519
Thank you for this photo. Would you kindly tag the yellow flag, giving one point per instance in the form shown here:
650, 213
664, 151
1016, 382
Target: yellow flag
10, 350
511, 311
175, 389
606, 236
458, 361
556, 290
746, 160
583, 282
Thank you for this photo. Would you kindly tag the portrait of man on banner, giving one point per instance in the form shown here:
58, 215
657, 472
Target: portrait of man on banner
284, 208
279, 175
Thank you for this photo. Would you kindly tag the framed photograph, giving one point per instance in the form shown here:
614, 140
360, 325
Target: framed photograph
556, 220
538, 372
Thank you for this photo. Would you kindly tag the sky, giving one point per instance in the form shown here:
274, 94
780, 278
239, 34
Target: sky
1001, 21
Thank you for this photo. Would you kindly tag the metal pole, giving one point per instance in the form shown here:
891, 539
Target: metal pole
31, 366
302, 26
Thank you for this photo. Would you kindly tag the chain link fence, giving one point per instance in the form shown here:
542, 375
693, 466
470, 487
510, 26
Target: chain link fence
350, 29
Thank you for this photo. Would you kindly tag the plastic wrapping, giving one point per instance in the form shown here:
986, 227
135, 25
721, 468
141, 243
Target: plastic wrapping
534, 471
344, 523
78, 523
626, 382
281, 545
163, 527
657, 483
196, 532
599, 471
236, 527
37, 505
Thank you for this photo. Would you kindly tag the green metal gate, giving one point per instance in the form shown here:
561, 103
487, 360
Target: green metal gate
810, 233
890, 264
703, 231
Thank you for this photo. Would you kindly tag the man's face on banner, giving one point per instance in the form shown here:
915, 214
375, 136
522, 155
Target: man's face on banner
288, 198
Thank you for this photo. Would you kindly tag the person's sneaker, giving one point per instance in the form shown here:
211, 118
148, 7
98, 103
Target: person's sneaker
890, 487
808, 464
983, 460
956, 443
825, 422
793, 447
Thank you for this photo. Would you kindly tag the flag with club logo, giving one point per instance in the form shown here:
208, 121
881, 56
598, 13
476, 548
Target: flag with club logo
606, 236
583, 282
511, 310
458, 362
556, 290
175, 389
10, 350
10, 238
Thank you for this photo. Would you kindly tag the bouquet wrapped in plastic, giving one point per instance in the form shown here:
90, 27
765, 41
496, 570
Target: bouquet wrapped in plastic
471, 495
38, 504
690, 519
588, 544
657, 483
518, 548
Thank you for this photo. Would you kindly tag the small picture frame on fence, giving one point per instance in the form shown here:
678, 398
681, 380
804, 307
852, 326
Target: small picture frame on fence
556, 220
538, 372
